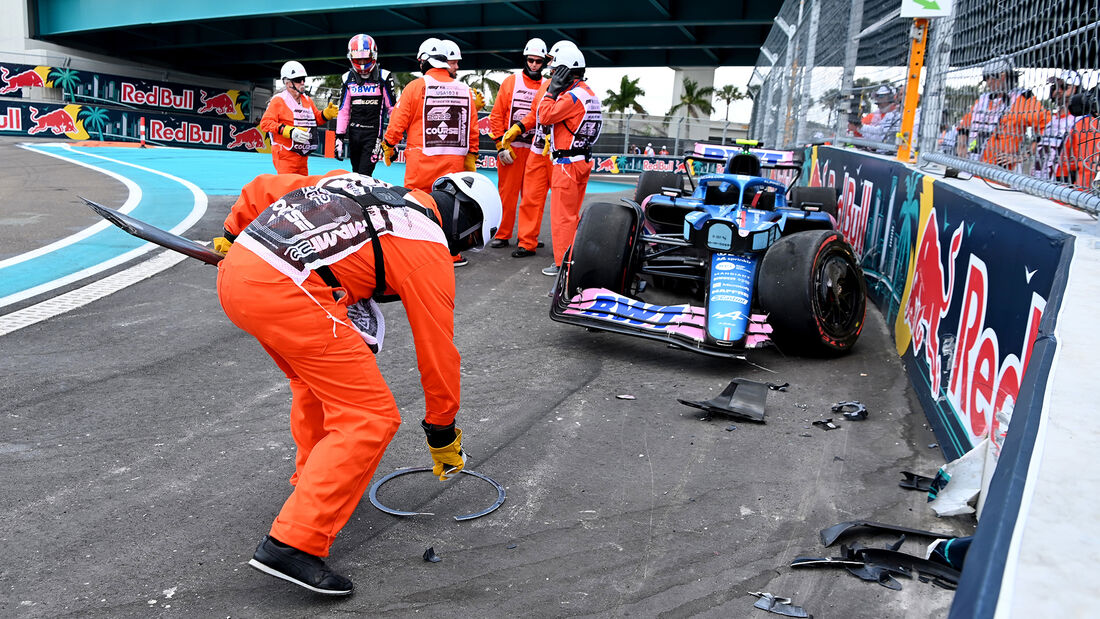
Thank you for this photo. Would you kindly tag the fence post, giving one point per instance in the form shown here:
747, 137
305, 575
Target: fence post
919, 38
626, 132
804, 89
932, 100
851, 58
141, 131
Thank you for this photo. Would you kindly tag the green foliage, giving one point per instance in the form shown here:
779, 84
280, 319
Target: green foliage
728, 94
626, 98
481, 79
695, 101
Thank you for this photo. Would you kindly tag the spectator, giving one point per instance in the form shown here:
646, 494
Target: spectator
1082, 147
993, 130
664, 151
883, 124
634, 150
1049, 160
649, 150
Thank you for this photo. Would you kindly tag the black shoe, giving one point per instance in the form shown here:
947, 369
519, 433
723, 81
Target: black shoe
523, 252
498, 243
301, 568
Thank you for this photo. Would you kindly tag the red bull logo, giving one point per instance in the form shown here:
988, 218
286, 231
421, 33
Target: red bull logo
187, 133
220, 103
483, 125
928, 301
31, 78
853, 216
251, 138
12, 120
607, 165
158, 96
57, 122
981, 383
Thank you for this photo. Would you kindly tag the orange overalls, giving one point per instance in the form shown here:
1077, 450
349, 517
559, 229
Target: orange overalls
576, 122
513, 104
1000, 125
1082, 150
437, 114
342, 414
290, 158
536, 181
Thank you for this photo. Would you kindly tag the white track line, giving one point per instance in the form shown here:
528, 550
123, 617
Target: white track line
197, 211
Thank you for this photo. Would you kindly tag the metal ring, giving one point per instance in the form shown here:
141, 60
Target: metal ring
420, 469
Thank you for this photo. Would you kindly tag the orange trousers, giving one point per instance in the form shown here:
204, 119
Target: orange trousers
289, 162
510, 182
421, 171
567, 187
536, 182
342, 415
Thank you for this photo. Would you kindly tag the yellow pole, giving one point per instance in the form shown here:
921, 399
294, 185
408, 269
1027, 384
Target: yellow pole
912, 84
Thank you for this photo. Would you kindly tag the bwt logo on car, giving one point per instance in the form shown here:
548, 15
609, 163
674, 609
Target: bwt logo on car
57, 122
158, 96
188, 133
12, 120
437, 114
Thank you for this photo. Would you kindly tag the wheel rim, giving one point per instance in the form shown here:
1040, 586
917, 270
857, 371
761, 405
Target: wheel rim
837, 295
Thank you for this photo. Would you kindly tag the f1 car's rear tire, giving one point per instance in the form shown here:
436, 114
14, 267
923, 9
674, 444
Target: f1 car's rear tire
813, 288
600, 256
823, 198
652, 182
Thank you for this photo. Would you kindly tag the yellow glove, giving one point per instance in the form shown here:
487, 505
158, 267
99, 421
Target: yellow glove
331, 111
546, 149
511, 134
449, 459
479, 99
286, 130
222, 245
295, 134
388, 153
470, 165
506, 155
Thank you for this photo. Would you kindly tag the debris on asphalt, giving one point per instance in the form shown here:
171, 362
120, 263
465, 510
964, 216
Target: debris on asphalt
826, 424
912, 481
777, 387
730, 428
511, 546
778, 605
430, 556
853, 410
831, 534
626, 396
742, 399
933, 445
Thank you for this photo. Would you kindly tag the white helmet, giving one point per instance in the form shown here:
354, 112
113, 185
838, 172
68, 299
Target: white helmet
292, 70
451, 49
996, 66
431, 50
566, 53
535, 47
477, 210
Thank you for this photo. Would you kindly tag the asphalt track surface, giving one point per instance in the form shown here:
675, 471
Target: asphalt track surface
146, 449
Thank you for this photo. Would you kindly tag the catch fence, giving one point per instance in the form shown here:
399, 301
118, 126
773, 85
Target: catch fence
1008, 91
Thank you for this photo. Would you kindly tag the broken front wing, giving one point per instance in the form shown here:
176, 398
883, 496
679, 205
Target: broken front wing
683, 326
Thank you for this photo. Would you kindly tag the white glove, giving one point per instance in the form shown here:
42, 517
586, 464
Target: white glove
299, 136
504, 157
338, 147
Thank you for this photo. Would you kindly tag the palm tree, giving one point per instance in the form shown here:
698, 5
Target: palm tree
480, 80
626, 98
400, 80
729, 93
694, 100
65, 79
95, 119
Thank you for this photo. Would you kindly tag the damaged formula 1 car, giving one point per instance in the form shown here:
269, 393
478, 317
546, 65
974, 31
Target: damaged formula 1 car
763, 257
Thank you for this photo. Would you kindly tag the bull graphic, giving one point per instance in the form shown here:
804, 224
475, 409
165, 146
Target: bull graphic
58, 122
928, 301
251, 138
31, 78
220, 103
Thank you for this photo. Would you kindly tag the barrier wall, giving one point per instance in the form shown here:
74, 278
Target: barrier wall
146, 95
972, 291
963, 282
82, 122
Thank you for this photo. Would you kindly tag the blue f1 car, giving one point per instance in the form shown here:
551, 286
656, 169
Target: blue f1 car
767, 269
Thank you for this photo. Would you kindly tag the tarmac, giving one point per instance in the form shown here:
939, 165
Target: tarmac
146, 449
